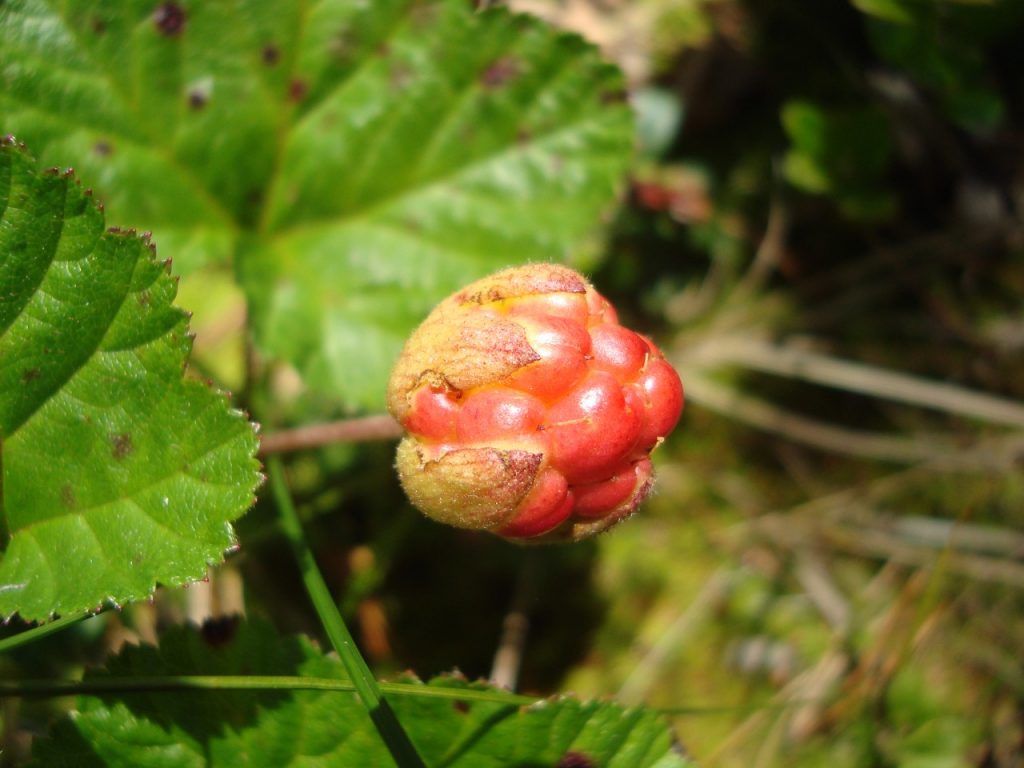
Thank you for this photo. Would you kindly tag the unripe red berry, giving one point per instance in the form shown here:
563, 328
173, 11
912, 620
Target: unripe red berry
529, 411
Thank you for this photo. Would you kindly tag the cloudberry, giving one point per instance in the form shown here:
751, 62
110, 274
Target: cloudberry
529, 411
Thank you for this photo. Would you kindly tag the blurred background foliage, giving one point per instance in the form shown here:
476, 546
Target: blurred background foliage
823, 228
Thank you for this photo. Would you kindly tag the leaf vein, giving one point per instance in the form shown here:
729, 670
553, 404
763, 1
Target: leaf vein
382, 205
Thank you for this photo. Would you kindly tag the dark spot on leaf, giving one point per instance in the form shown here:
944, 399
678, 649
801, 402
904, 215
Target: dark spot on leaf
67, 496
169, 19
343, 44
29, 374
255, 197
137, 559
524, 136
102, 148
297, 90
617, 96
400, 77
98, 25
383, 50
423, 14
121, 445
143, 298
270, 55
500, 72
575, 760
197, 98
462, 707
220, 631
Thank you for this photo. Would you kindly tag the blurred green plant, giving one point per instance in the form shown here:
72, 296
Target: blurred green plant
830, 573
842, 154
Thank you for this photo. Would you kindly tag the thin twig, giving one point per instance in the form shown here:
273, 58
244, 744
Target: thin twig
880, 536
939, 533
792, 696
359, 430
937, 451
880, 543
816, 691
864, 379
770, 418
821, 588
770, 251
509, 657
991, 455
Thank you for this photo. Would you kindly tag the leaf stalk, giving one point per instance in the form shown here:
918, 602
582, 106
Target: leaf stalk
366, 686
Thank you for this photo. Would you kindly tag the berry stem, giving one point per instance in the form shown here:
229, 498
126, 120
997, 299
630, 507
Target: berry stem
359, 430
383, 717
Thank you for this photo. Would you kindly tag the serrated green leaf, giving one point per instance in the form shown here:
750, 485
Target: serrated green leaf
117, 473
282, 728
358, 160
